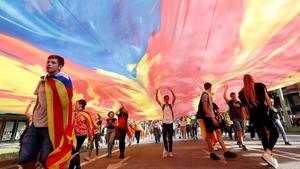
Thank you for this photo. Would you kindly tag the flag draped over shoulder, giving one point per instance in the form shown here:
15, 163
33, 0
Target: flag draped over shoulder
89, 119
59, 93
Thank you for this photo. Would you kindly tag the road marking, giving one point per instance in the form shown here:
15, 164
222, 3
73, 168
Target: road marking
119, 164
288, 153
280, 155
96, 158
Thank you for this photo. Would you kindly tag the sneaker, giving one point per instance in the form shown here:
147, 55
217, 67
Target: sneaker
171, 154
244, 148
288, 143
87, 158
213, 156
165, 154
215, 148
229, 155
270, 160
275, 162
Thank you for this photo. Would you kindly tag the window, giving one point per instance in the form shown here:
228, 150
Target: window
20, 129
8, 130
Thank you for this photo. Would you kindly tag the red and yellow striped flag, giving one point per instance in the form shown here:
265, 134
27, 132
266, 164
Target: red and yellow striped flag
59, 93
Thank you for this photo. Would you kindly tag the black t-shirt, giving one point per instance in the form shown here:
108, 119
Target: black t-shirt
260, 94
110, 126
99, 122
215, 108
235, 110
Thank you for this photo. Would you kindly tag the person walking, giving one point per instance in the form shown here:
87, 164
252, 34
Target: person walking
48, 128
237, 115
276, 119
111, 125
211, 124
168, 119
156, 130
96, 138
182, 124
256, 99
122, 129
83, 128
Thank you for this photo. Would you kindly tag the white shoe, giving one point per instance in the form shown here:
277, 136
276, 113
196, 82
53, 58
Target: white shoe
275, 162
270, 160
165, 154
215, 148
171, 154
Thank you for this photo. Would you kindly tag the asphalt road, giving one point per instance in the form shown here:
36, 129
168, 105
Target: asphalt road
194, 155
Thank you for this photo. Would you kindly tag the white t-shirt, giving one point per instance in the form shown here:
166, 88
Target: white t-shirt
167, 116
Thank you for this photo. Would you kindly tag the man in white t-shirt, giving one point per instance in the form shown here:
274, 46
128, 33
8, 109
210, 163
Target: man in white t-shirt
168, 118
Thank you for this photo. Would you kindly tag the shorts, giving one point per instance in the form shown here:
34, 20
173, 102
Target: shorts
238, 125
209, 125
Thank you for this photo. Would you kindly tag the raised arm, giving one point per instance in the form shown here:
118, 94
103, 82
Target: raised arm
225, 94
29, 116
174, 97
157, 99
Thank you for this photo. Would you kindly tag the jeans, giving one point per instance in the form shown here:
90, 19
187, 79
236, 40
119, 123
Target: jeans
277, 122
110, 138
36, 142
122, 136
96, 140
239, 125
168, 131
75, 162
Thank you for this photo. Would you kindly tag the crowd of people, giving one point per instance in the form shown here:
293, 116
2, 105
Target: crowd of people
58, 129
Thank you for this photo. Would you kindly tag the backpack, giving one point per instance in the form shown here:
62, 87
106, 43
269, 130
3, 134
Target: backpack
201, 113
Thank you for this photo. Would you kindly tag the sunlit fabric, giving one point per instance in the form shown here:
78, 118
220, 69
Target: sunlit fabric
120, 52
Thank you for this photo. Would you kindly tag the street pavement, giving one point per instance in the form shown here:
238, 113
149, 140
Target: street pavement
193, 154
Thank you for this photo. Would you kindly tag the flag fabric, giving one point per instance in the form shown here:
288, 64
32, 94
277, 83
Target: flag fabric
59, 93
89, 119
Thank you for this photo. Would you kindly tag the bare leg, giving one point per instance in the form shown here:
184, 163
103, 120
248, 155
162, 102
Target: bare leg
209, 142
220, 139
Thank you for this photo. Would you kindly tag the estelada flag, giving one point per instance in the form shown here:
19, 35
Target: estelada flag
89, 119
59, 93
